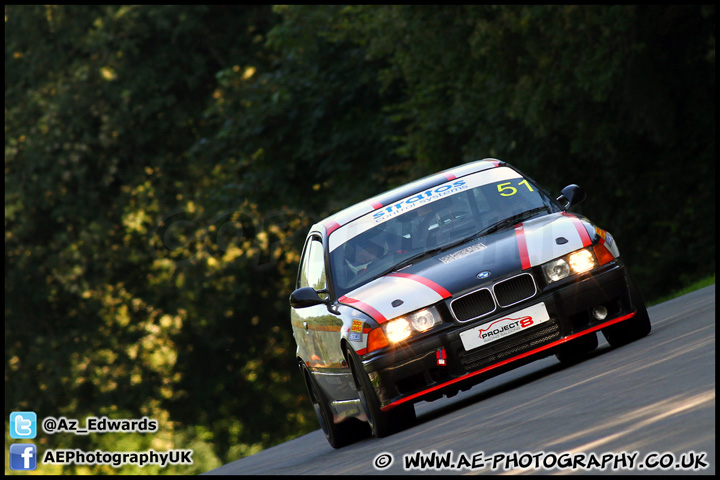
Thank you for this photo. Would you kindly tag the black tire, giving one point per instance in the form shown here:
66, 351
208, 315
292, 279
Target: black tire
629, 330
338, 434
381, 423
578, 349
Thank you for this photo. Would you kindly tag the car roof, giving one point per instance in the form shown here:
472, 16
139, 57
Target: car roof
343, 217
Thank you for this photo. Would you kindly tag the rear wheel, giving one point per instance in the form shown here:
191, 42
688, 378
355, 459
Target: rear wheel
381, 423
338, 434
578, 349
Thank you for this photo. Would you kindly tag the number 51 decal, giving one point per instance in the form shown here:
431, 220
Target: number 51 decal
506, 189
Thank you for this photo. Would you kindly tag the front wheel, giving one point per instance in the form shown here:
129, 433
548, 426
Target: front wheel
381, 423
629, 330
337, 434
578, 349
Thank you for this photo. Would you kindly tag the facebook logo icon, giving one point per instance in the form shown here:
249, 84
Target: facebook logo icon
23, 425
23, 456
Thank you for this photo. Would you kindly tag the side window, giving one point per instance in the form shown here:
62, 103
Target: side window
312, 271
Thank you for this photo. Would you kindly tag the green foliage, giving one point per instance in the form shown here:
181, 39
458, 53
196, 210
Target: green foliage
696, 285
303, 129
163, 163
129, 289
618, 99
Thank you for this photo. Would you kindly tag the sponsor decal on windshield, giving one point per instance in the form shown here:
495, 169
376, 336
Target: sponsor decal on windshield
388, 212
419, 199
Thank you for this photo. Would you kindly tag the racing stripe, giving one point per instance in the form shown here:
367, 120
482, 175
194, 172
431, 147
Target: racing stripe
552, 237
377, 316
331, 226
394, 295
580, 228
427, 282
522, 246
509, 360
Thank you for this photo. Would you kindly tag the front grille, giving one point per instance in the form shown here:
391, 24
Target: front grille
517, 344
473, 305
514, 290
482, 302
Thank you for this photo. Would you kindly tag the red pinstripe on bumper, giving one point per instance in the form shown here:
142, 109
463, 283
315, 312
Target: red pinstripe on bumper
509, 360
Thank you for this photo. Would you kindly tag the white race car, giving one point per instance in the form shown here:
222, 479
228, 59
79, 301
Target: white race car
444, 282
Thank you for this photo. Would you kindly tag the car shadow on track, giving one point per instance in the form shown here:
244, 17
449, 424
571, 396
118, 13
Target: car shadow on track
426, 413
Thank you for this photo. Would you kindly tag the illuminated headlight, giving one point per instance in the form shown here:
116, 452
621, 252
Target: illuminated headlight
421, 321
581, 261
577, 262
398, 330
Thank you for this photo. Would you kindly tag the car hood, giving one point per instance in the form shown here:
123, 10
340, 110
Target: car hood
472, 265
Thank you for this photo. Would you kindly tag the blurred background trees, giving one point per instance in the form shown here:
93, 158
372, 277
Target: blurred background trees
163, 164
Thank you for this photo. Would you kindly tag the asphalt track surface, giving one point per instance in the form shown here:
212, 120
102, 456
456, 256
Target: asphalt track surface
654, 398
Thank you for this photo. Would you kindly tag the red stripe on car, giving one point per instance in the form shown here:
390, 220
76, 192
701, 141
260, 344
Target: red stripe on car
522, 246
510, 360
428, 283
376, 205
580, 229
331, 227
377, 316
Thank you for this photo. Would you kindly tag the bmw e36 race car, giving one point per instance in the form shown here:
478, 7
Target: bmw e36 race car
437, 285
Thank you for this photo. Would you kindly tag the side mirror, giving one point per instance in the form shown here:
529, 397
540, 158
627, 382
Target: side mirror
306, 297
571, 196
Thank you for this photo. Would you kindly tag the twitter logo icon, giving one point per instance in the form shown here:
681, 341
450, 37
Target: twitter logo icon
23, 425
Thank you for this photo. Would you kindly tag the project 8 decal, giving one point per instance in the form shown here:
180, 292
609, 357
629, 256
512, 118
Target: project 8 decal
506, 326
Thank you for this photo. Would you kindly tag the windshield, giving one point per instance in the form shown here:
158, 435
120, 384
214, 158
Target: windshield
434, 220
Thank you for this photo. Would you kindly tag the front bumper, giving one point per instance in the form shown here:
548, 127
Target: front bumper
412, 372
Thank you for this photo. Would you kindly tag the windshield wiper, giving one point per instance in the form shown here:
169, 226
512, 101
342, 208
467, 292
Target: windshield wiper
511, 221
410, 260
507, 222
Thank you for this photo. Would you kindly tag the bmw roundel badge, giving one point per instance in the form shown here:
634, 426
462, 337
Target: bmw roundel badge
483, 275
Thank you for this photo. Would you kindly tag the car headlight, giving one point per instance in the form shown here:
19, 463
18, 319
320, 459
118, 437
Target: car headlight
424, 320
557, 269
398, 330
576, 262
581, 261
402, 328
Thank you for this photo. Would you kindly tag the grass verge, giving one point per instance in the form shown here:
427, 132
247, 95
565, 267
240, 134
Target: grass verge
707, 281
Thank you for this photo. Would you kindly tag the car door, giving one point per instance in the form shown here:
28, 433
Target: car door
316, 330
